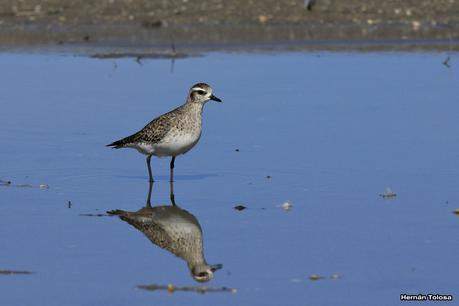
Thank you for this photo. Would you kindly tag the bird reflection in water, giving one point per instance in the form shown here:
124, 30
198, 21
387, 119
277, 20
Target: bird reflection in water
173, 229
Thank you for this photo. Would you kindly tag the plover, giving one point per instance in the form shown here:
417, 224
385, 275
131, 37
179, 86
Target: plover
175, 230
173, 133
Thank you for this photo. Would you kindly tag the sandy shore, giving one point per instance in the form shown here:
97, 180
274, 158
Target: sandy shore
151, 28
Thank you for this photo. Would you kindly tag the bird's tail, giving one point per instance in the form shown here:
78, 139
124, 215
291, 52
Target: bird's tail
117, 144
127, 216
116, 212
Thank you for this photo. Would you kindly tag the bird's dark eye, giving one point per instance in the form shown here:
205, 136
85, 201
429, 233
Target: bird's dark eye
201, 92
203, 274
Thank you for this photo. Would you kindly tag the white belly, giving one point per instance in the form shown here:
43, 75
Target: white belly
171, 145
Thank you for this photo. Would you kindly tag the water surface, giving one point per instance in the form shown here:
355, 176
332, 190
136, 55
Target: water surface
332, 131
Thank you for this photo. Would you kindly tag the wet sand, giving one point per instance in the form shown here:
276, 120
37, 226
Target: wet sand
116, 28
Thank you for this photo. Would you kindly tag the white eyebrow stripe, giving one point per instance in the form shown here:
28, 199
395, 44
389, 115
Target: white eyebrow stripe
198, 88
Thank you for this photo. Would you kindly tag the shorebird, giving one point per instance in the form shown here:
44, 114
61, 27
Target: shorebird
175, 230
173, 133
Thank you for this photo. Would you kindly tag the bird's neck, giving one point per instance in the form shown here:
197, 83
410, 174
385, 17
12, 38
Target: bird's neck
195, 258
194, 107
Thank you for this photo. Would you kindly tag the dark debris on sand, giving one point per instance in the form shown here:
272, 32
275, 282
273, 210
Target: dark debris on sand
14, 272
198, 289
240, 207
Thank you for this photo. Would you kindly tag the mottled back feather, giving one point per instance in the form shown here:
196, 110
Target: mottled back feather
153, 132
177, 239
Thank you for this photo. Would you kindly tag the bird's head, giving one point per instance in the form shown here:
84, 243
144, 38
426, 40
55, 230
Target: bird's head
201, 93
204, 273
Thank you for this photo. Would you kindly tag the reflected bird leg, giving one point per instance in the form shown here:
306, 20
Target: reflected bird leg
150, 188
172, 169
171, 194
149, 168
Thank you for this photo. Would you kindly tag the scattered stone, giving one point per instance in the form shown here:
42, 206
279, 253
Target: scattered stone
416, 25
388, 194
315, 277
152, 24
268, 176
239, 207
335, 276
263, 19
237, 150
198, 289
12, 272
286, 205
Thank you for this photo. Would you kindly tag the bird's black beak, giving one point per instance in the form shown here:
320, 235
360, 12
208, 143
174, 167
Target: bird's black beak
214, 268
214, 98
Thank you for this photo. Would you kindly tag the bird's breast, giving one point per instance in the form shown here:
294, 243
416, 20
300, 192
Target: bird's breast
176, 143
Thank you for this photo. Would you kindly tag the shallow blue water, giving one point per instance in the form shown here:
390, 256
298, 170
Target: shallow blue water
332, 130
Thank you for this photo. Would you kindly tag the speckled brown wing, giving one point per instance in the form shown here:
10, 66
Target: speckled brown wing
151, 230
153, 132
178, 241
141, 221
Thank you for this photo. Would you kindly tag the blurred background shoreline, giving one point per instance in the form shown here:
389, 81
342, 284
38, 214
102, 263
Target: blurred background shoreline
140, 28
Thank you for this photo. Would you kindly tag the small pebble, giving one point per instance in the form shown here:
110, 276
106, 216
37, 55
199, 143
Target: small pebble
286, 205
388, 194
240, 207
335, 276
315, 277
416, 25
152, 24
263, 19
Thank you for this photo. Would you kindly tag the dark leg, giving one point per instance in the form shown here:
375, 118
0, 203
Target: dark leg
172, 169
149, 168
171, 194
150, 188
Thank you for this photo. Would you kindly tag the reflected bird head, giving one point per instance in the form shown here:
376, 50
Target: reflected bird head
204, 273
201, 93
